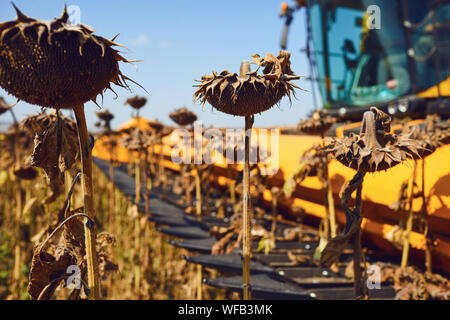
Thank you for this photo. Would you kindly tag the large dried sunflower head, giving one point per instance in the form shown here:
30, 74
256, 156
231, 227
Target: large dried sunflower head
374, 149
136, 102
183, 116
249, 93
318, 124
54, 64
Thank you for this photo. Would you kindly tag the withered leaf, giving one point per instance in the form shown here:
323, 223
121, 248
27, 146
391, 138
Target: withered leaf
75, 228
46, 268
45, 154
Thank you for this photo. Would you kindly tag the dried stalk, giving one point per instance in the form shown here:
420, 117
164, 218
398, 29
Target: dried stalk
353, 222
330, 202
111, 186
87, 190
199, 282
245, 212
409, 222
17, 248
19, 203
198, 194
428, 258
137, 172
147, 185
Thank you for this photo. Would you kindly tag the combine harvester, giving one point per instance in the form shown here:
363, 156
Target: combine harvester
393, 55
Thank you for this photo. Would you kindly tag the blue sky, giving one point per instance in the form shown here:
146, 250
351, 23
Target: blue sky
179, 41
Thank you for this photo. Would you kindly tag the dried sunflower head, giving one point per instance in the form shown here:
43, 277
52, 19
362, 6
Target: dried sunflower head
54, 64
155, 125
249, 93
136, 102
374, 149
138, 140
105, 115
39, 123
183, 116
319, 123
437, 129
432, 134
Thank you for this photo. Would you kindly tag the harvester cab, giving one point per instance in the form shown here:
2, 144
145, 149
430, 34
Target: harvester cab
390, 54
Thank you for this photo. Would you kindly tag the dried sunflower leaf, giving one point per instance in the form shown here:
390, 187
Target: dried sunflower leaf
46, 268
45, 155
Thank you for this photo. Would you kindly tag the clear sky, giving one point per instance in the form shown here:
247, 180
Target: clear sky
179, 41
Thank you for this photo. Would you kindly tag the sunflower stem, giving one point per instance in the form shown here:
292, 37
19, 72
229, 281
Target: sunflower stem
87, 191
198, 194
329, 191
245, 212
357, 255
137, 171
111, 187
199, 282
428, 258
330, 201
146, 179
409, 221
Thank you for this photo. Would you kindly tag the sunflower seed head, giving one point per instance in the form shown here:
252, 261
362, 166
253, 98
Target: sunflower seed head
318, 124
136, 102
249, 93
183, 116
54, 64
374, 149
